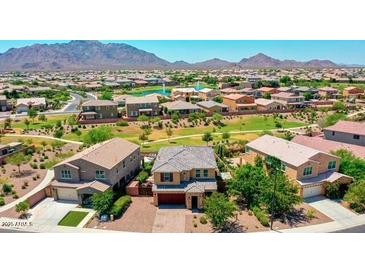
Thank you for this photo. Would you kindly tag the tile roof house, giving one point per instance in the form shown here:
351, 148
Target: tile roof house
328, 146
24, 104
239, 102
4, 106
309, 168
213, 107
290, 100
268, 104
353, 92
145, 105
180, 106
111, 164
347, 132
184, 175
99, 110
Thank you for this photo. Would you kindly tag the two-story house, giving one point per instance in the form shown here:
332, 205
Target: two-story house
181, 107
238, 102
4, 106
146, 105
108, 165
346, 132
289, 100
353, 93
99, 110
309, 168
184, 175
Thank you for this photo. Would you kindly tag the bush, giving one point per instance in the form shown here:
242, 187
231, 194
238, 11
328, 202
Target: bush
311, 214
42, 166
356, 197
142, 176
7, 188
2, 201
332, 191
121, 205
122, 124
261, 216
203, 220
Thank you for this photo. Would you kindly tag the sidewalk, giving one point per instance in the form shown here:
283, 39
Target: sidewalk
45, 137
329, 227
46, 181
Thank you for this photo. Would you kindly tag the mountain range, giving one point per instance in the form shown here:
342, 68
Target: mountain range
94, 55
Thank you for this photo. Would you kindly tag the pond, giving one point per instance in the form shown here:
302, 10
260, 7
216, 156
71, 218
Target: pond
148, 92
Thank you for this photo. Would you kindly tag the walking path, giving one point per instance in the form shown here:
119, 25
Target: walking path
45, 137
45, 182
230, 132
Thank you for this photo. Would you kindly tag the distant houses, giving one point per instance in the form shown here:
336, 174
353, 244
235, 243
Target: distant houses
99, 110
24, 104
145, 105
238, 102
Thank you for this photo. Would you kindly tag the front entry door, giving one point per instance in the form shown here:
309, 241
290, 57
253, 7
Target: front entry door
194, 202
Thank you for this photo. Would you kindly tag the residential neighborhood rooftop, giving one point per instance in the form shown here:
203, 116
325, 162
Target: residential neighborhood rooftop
348, 127
176, 159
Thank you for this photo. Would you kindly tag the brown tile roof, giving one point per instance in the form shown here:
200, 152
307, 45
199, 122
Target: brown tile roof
348, 127
98, 103
106, 154
234, 96
328, 146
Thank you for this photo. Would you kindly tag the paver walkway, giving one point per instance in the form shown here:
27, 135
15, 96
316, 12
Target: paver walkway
170, 220
332, 209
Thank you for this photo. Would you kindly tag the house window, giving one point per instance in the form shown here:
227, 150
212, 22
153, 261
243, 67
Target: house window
66, 174
123, 164
197, 173
166, 177
100, 174
333, 133
307, 171
356, 137
332, 165
205, 172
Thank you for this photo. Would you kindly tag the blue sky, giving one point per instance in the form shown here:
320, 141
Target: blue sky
347, 52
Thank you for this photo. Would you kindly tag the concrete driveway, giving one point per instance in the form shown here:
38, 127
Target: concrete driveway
50, 212
331, 208
170, 219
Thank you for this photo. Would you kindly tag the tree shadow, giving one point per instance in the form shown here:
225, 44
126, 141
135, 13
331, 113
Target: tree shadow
294, 218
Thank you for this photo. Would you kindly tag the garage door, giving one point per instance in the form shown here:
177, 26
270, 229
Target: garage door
312, 191
67, 194
171, 198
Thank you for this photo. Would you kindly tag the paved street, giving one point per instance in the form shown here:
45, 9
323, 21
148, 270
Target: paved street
356, 229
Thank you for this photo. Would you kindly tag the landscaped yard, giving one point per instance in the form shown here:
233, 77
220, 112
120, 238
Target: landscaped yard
232, 124
73, 218
247, 222
46, 154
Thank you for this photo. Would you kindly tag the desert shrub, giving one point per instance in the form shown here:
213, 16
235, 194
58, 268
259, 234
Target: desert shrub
311, 214
2, 201
122, 124
7, 188
42, 166
203, 220
121, 205
261, 216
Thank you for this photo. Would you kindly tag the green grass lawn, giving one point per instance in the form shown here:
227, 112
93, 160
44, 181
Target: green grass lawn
51, 120
73, 218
